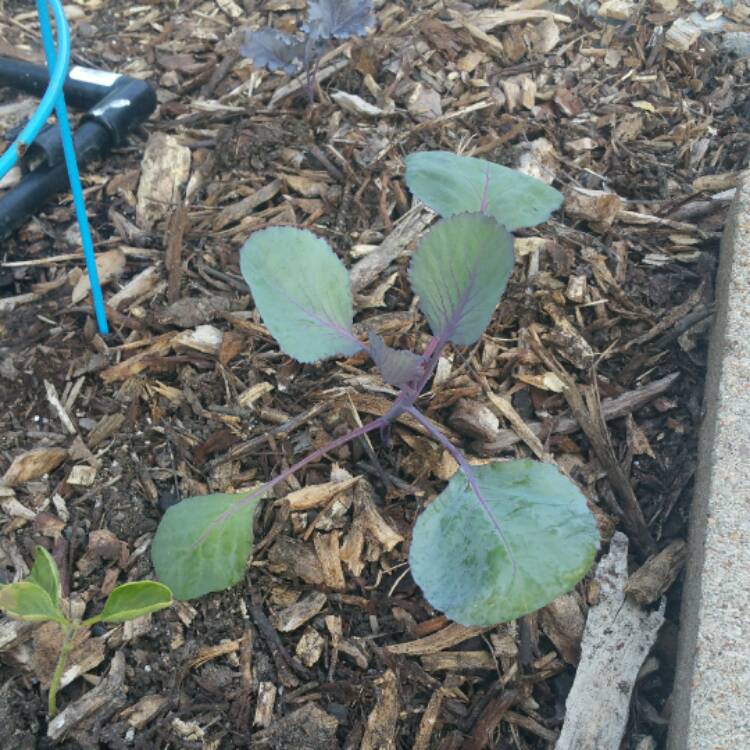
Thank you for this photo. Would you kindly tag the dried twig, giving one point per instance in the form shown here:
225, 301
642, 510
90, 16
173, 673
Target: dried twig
587, 412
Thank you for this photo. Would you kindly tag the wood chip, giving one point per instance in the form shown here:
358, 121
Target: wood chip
547, 381
489, 19
380, 733
138, 362
264, 704
715, 182
33, 465
619, 10
474, 419
449, 636
310, 647
206, 339
15, 509
209, 653
504, 407
307, 727
428, 722
681, 35
247, 398
58, 408
295, 616
327, 549
165, 169
294, 558
356, 105
657, 574
619, 635
381, 530
563, 622
142, 713
315, 495
81, 476
398, 243
140, 285
107, 695
593, 205
106, 427
612, 408
459, 661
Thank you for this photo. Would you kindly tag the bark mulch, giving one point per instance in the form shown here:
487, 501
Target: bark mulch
598, 349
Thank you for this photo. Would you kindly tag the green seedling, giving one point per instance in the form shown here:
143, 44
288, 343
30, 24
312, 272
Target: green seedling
501, 540
37, 599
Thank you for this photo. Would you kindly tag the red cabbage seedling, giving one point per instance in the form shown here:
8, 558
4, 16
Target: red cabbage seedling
326, 20
501, 540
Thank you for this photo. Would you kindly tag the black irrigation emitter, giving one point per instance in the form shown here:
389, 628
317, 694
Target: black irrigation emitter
114, 105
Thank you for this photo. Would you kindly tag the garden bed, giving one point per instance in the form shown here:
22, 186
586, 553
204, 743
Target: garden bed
605, 321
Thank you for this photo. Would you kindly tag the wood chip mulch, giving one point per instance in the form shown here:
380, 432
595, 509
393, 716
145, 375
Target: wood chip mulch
596, 356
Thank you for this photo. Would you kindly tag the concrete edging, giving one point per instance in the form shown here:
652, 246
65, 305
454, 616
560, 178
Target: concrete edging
711, 699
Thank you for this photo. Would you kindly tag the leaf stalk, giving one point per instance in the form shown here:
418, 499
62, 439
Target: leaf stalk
70, 629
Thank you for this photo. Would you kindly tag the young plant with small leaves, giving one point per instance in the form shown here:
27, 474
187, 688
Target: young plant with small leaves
37, 599
327, 21
501, 540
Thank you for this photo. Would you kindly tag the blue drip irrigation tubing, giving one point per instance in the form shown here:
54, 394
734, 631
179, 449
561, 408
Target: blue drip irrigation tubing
58, 61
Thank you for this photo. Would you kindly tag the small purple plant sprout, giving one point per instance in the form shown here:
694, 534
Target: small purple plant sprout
37, 599
501, 540
327, 20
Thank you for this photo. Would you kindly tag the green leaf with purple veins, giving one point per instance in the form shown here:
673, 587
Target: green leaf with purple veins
464, 568
450, 184
302, 292
459, 271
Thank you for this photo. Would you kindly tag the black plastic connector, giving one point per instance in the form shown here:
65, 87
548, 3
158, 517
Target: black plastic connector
115, 104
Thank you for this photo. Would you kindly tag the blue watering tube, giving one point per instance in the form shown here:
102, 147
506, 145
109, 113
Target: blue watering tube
58, 60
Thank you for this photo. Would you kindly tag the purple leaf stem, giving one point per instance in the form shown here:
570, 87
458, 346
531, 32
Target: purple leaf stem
244, 501
468, 471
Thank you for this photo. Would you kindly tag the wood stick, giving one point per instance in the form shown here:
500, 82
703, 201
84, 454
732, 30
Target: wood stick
612, 408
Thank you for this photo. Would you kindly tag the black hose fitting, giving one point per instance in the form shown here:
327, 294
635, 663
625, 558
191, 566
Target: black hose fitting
115, 104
